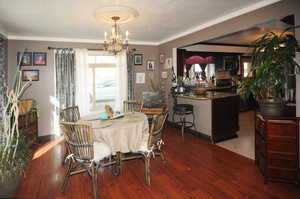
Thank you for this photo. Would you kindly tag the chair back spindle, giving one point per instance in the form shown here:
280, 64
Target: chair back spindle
133, 105
70, 114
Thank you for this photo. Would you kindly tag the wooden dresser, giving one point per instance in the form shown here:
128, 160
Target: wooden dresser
277, 148
28, 121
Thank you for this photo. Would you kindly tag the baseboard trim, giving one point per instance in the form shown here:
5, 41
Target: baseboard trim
193, 132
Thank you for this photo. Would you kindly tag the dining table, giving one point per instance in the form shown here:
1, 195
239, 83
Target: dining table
123, 133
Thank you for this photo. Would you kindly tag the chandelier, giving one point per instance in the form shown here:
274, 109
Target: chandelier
115, 41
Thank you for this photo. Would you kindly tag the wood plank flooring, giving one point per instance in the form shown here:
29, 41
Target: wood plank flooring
195, 169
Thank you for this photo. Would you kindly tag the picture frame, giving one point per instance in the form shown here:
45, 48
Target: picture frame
32, 75
151, 65
26, 59
39, 59
162, 58
138, 59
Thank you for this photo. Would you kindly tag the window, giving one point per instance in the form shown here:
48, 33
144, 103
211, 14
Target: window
247, 69
103, 84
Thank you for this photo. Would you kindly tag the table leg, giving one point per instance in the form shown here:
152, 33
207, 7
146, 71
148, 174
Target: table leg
117, 167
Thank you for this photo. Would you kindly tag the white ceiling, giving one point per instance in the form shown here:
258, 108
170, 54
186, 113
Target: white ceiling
159, 20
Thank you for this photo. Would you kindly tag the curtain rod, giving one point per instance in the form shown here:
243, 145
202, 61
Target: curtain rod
54, 48
91, 49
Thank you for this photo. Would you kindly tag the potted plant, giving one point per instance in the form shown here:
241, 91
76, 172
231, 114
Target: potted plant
272, 62
14, 149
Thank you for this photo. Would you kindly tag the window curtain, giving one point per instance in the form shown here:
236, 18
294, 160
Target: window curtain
65, 77
130, 74
122, 80
3, 74
83, 82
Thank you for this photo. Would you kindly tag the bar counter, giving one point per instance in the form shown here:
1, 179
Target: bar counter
216, 114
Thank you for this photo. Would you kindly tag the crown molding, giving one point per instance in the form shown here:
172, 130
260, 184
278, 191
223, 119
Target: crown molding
76, 40
220, 20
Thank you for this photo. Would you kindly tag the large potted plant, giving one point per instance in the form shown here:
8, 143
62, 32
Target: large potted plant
272, 62
14, 149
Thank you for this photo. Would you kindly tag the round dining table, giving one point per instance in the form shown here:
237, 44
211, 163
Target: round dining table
124, 134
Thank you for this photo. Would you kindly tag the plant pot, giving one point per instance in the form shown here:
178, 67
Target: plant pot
271, 107
9, 186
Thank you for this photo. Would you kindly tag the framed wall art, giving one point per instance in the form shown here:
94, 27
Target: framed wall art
32, 75
138, 59
39, 59
26, 59
162, 58
150, 65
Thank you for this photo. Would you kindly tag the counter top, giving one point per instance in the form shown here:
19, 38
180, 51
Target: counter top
207, 96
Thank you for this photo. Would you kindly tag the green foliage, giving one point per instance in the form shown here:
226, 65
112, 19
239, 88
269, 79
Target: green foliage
272, 60
16, 165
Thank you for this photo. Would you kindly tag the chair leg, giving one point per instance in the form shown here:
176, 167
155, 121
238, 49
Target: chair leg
147, 169
94, 180
182, 127
66, 180
162, 156
66, 154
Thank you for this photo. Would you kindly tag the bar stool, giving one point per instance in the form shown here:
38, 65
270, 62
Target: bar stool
182, 110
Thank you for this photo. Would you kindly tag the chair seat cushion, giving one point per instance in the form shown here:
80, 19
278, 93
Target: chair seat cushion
101, 150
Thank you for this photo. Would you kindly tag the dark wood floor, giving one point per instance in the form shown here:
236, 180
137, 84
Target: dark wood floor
194, 169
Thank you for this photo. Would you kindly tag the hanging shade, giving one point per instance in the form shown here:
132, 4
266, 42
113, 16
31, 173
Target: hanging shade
199, 60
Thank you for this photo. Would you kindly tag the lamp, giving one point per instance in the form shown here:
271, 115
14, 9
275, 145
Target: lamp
116, 41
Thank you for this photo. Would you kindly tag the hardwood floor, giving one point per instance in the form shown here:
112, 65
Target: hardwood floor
194, 169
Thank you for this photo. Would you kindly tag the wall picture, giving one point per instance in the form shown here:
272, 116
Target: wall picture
32, 75
162, 58
150, 65
39, 59
26, 59
138, 59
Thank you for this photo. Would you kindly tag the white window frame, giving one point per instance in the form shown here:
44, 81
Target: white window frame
93, 66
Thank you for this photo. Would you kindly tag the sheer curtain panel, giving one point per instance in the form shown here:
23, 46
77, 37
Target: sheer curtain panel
83, 81
122, 80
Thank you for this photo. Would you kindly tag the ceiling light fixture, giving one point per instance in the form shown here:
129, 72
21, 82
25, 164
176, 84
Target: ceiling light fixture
115, 41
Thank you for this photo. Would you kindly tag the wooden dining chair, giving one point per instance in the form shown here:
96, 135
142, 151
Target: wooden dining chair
153, 142
133, 105
85, 154
70, 114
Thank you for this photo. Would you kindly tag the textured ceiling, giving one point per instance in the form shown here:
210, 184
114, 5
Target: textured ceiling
158, 21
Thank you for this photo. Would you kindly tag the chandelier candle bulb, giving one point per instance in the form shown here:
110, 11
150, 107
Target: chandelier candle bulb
105, 36
127, 33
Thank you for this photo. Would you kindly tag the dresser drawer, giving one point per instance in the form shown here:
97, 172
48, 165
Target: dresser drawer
284, 147
284, 130
286, 174
282, 163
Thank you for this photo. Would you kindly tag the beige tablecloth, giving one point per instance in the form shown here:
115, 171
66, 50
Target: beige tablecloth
124, 134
